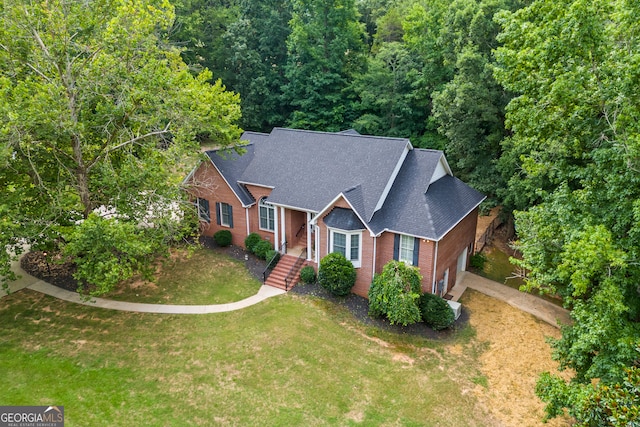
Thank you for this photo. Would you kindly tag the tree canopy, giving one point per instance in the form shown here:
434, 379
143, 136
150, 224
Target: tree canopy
98, 110
575, 176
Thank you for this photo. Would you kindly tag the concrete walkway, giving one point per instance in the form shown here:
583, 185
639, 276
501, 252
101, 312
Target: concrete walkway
538, 307
30, 282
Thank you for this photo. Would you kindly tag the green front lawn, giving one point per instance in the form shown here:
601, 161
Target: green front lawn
289, 360
201, 277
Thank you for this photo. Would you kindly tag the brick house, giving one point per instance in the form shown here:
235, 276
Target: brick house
374, 199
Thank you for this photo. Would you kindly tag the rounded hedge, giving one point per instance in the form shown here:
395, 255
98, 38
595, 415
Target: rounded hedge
251, 241
261, 248
222, 238
336, 274
307, 274
436, 312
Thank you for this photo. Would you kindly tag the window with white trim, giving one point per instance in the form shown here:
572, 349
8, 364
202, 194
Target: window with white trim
348, 244
225, 215
406, 249
267, 215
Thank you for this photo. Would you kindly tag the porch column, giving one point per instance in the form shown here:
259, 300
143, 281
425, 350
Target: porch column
309, 236
275, 229
282, 226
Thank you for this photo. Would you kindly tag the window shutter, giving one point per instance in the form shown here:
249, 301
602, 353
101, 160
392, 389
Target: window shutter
230, 216
396, 247
218, 213
416, 251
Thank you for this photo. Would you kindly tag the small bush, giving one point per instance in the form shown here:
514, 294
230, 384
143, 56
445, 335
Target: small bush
478, 261
436, 312
308, 274
271, 253
222, 238
261, 248
251, 241
336, 274
395, 292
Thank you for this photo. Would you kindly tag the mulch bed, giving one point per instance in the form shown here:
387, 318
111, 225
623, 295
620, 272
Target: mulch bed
51, 269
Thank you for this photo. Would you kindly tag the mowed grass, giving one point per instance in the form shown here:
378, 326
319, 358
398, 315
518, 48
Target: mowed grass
199, 277
287, 361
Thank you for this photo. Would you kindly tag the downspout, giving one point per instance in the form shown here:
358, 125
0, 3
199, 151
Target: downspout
373, 270
282, 226
435, 263
246, 211
275, 229
308, 225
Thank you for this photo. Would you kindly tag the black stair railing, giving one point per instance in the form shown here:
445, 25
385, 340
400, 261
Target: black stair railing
271, 264
295, 269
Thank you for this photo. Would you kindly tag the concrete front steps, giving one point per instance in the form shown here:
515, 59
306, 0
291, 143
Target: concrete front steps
280, 272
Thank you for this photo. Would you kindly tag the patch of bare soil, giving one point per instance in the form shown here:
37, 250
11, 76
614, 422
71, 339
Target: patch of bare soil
515, 353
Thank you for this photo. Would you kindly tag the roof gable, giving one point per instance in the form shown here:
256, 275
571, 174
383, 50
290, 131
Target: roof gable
308, 169
430, 213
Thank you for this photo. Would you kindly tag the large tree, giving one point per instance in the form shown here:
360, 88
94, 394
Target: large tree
98, 111
469, 109
325, 49
575, 158
257, 41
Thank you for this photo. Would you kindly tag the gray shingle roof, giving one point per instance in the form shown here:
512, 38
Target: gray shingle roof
430, 215
344, 219
308, 170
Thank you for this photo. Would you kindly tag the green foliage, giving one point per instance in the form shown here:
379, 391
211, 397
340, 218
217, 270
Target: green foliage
600, 405
99, 112
336, 274
436, 312
222, 238
325, 49
272, 256
573, 155
257, 40
308, 274
395, 292
478, 261
261, 248
107, 251
251, 241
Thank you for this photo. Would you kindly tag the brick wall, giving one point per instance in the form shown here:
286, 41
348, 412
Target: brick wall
207, 183
451, 246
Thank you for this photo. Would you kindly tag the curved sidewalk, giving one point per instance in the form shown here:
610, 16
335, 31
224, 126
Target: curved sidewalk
27, 281
538, 307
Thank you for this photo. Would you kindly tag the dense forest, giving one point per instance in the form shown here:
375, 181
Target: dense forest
536, 103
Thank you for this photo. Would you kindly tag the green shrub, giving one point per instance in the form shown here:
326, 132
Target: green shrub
336, 274
222, 238
307, 274
477, 261
436, 312
251, 241
395, 292
270, 254
261, 248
